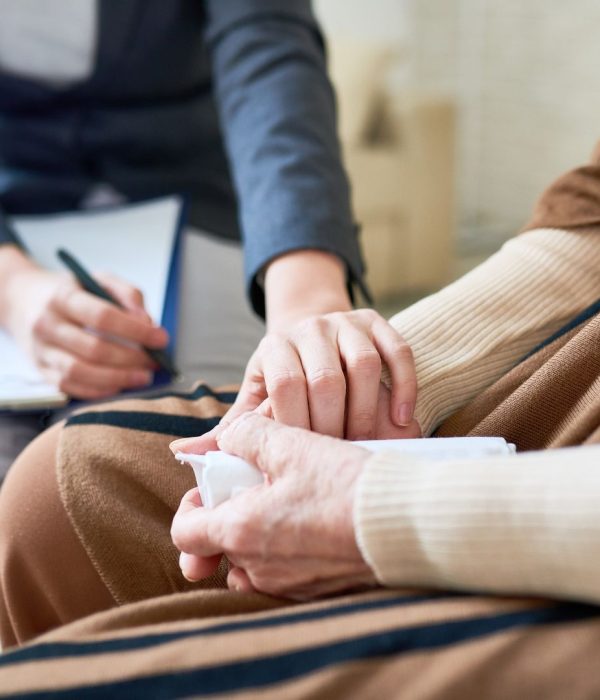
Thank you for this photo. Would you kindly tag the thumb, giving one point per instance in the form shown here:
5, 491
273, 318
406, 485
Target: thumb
198, 445
208, 442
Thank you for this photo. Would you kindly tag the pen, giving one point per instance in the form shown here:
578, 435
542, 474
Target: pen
10, 232
90, 285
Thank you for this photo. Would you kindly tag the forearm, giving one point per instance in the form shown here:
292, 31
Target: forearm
473, 331
304, 283
277, 110
526, 524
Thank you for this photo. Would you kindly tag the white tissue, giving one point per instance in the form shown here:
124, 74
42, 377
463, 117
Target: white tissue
221, 476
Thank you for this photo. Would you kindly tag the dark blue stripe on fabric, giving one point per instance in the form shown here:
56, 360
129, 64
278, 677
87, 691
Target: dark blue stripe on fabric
163, 423
198, 393
585, 315
66, 649
270, 670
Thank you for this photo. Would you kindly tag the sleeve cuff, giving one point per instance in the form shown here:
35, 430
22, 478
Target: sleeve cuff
525, 524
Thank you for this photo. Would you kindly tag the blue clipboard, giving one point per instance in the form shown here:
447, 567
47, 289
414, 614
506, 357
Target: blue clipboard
171, 305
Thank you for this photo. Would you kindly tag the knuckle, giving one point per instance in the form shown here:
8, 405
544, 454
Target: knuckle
283, 381
101, 318
364, 362
40, 327
95, 350
368, 315
402, 352
238, 535
62, 294
265, 344
179, 534
326, 380
363, 418
314, 325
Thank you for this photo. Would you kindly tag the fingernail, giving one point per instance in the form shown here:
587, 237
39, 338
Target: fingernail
405, 413
176, 444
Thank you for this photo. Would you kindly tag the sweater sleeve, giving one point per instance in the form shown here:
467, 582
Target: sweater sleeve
472, 332
525, 524
277, 111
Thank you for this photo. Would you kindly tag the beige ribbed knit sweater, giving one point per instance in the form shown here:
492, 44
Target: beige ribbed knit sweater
523, 524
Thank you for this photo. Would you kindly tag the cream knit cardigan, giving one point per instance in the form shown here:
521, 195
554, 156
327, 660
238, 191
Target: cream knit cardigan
528, 524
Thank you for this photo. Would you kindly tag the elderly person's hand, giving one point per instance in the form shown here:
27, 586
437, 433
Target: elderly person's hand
292, 536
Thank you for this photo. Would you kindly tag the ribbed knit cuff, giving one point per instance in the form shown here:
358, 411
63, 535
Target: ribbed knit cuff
522, 524
384, 519
473, 331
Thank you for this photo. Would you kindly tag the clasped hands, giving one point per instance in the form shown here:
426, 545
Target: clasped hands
294, 535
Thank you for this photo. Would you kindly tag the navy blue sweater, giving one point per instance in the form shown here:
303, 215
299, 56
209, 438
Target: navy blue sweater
227, 101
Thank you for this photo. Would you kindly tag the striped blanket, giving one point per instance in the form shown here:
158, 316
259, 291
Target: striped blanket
169, 638
387, 644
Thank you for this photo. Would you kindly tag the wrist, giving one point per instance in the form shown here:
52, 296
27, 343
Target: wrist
304, 283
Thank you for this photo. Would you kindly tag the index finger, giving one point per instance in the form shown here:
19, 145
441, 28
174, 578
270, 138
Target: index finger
90, 311
272, 447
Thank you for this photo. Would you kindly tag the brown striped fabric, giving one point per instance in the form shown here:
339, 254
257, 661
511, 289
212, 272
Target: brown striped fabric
384, 644
117, 475
169, 638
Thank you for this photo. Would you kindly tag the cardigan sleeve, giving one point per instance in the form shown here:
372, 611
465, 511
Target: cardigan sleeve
472, 332
277, 111
525, 524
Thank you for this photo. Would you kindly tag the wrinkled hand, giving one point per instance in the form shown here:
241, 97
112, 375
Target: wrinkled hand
292, 536
86, 346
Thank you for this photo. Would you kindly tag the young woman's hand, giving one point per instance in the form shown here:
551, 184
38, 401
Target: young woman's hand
86, 346
324, 374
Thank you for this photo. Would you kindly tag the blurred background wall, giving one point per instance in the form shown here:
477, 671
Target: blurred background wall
519, 83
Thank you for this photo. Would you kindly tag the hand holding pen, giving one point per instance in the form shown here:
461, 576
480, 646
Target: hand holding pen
86, 346
159, 356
